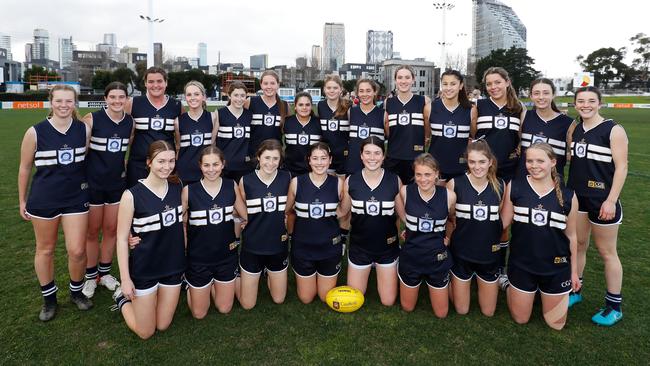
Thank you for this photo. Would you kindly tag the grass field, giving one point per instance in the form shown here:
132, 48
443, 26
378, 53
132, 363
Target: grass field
294, 333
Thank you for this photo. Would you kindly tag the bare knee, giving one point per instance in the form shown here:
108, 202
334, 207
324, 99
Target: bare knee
488, 312
461, 309
408, 308
49, 252
145, 333
440, 313
77, 254
199, 314
247, 305
306, 299
519, 319
388, 302
278, 299
224, 309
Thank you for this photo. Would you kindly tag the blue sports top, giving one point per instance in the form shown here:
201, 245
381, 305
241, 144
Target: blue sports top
405, 127
449, 137
233, 138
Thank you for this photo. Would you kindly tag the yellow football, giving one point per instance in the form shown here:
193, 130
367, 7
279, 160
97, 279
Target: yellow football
344, 299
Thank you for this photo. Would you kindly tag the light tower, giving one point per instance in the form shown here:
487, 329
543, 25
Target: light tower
150, 19
443, 6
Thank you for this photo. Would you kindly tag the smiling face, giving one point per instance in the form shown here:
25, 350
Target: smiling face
319, 161
450, 87
211, 167
303, 107
372, 157
425, 177
269, 161
496, 86
478, 164
237, 98
542, 96
404, 80
155, 85
115, 100
269, 86
538, 163
162, 164
332, 90
587, 104
194, 97
366, 94
63, 103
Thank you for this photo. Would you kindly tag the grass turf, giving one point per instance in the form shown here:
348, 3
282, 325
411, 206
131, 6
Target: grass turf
294, 333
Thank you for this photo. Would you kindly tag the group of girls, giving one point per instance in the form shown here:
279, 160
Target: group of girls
238, 184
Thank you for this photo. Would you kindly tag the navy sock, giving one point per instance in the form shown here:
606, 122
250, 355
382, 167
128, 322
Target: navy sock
91, 273
613, 301
76, 287
120, 301
104, 268
502, 255
345, 233
49, 293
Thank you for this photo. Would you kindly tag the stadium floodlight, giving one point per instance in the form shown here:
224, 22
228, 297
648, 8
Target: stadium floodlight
443, 6
150, 21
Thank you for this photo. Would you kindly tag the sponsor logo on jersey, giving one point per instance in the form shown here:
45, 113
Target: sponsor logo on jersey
594, 184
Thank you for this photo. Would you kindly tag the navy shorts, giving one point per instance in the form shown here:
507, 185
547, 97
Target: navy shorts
200, 276
435, 273
464, 270
591, 206
360, 258
101, 197
53, 213
403, 168
327, 267
555, 284
256, 263
146, 287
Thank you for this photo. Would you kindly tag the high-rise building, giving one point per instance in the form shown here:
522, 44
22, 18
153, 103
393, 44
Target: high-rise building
29, 51
379, 46
110, 38
333, 46
66, 47
494, 26
301, 62
316, 56
109, 46
41, 48
259, 62
5, 42
203, 54
157, 54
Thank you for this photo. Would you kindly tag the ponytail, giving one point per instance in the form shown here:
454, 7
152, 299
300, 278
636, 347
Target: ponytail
558, 186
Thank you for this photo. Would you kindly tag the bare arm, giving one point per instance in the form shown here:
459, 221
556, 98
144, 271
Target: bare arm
247, 103
240, 205
571, 232
451, 216
177, 136
346, 201
186, 213
618, 145
569, 139
27, 149
400, 203
124, 220
291, 195
508, 211
474, 120
215, 127
427, 125
128, 106
386, 128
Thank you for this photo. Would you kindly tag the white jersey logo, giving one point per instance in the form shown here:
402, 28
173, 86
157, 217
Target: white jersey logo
500, 122
364, 132
425, 225
539, 216
197, 139
373, 208
316, 210
114, 144
215, 215
449, 131
65, 155
303, 139
269, 203
333, 125
269, 120
238, 132
480, 212
169, 217
157, 124
404, 118
581, 149
538, 138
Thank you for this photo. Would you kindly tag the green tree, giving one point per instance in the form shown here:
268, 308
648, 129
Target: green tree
349, 85
140, 69
606, 64
124, 75
641, 63
318, 84
515, 60
100, 79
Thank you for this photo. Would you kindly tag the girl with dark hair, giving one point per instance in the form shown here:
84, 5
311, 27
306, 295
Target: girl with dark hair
450, 121
151, 272
366, 120
234, 133
300, 131
316, 244
269, 111
111, 130
372, 195
597, 174
58, 194
334, 121
544, 123
543, 246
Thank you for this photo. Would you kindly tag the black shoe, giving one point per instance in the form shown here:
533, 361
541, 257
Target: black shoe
48, 311
82, 302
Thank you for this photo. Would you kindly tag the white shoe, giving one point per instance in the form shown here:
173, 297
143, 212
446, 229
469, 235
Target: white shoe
89, 288
109, 282
503, 282
117, 293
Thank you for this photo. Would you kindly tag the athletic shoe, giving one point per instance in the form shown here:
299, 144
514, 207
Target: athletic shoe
503, 282
82, 302
48, 311
117, 293
109, 282
574, 298
89, 288
607, 317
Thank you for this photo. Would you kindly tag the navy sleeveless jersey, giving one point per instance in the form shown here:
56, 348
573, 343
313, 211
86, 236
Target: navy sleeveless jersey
60, 178
152, 124
553, 132
478, 224
425, 225
500, 129
362, 126
298, 138
591, 172
373, 213
405, 127
316, 233
335, 133
265, 123
159, 224
210, 229
538, 243
233, 138
265, 233
109, 141
449, 137
195, 136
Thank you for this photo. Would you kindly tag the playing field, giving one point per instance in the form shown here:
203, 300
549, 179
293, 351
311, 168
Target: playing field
294, 333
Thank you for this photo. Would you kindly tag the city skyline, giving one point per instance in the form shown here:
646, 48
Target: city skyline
551, 26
